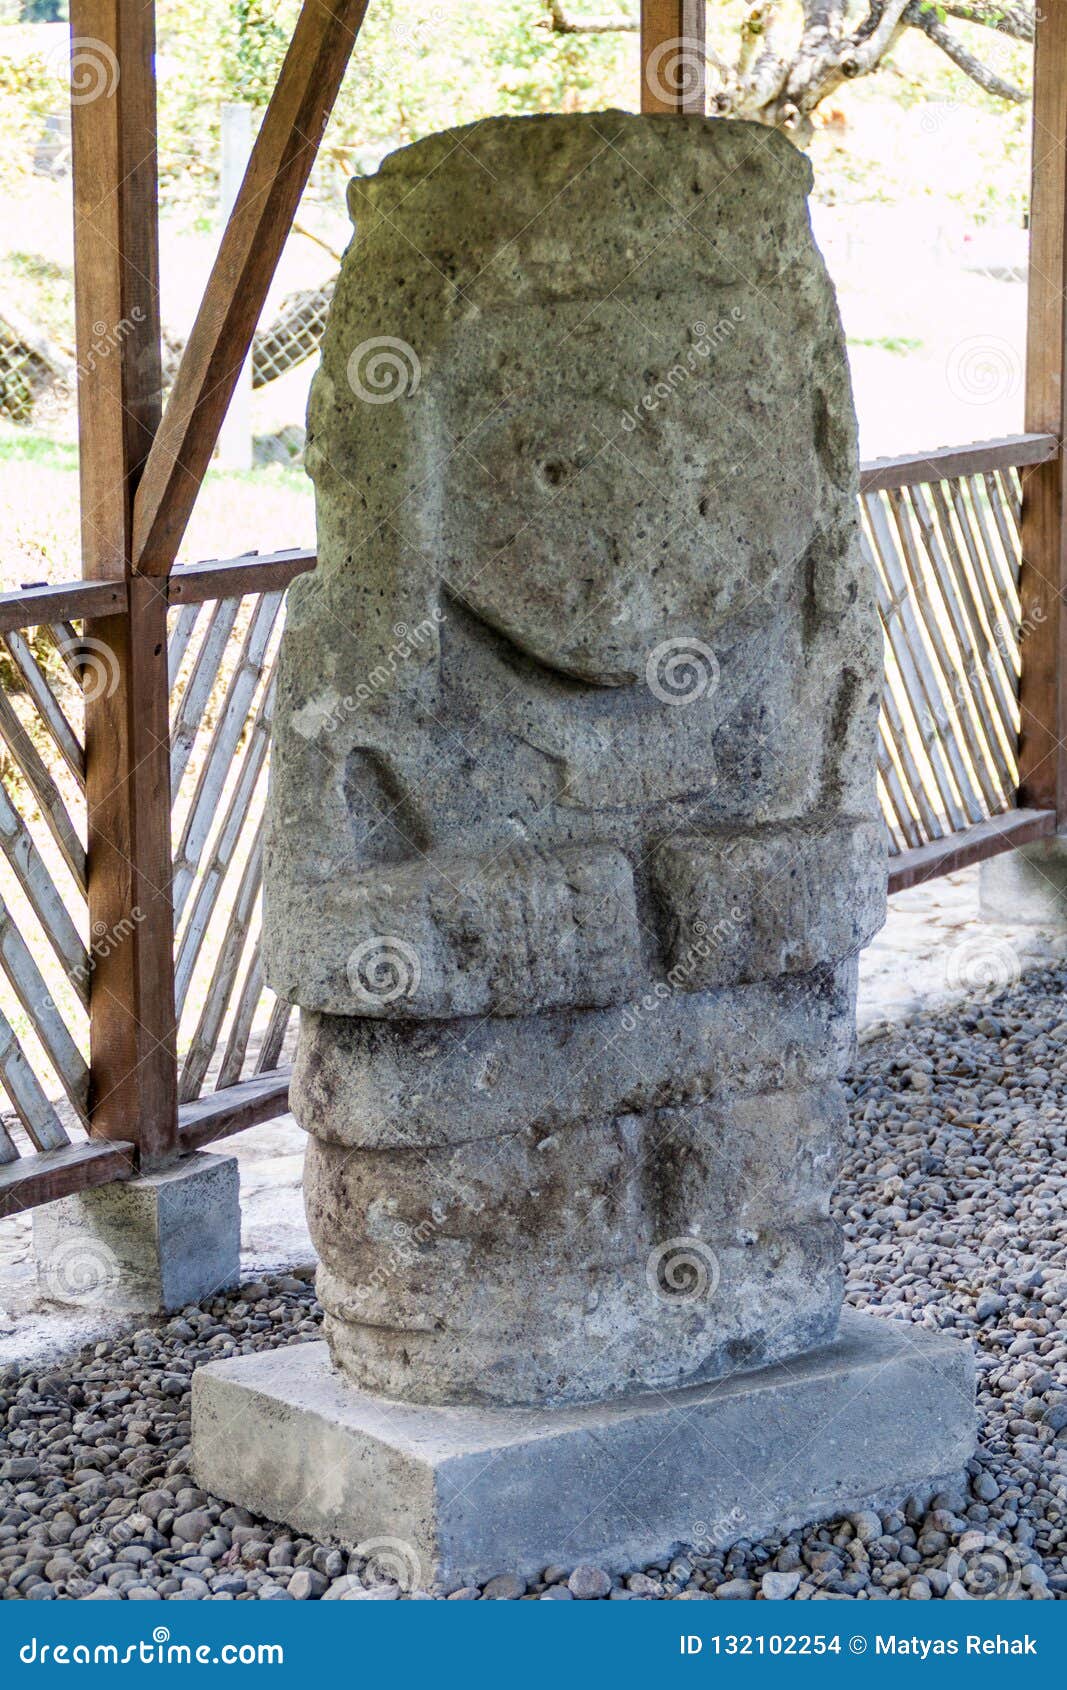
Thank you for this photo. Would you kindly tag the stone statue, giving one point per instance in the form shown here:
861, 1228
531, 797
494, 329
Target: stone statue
573, 828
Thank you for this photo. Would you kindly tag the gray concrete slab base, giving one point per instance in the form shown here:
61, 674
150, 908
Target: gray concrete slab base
1027, 886
151, 1244
451, 1496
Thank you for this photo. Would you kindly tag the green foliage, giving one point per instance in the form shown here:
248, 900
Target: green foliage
901, 344
425, 65
415, 69
30, 88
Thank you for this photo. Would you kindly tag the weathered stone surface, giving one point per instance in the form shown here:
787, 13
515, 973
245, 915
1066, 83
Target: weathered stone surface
504, 934
372, 1083
462, 1492
573, 834
790, 899
656, 1250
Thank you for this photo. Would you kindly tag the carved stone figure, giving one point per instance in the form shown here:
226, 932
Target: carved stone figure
573, 835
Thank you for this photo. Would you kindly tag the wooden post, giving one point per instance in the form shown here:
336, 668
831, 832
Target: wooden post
673, 72
133, 1071
1043, 683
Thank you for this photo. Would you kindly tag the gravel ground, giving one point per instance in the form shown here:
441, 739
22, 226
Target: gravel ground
952, 1205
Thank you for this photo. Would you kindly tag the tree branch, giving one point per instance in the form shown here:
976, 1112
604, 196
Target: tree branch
928, 22
875, 37
780, 84
1016, 20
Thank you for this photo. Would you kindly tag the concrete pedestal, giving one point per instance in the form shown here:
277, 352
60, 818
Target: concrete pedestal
1027, 886
144, 1245
456, 1495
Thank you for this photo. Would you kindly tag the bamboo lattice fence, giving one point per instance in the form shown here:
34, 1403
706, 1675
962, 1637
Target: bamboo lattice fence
943, 540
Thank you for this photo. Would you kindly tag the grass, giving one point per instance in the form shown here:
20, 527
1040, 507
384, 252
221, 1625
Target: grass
264, 509
898, 343
17, 446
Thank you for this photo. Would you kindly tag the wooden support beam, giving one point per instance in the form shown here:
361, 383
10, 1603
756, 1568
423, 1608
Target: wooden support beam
251, 246
233, 577
133, 1078
949, 463
1043, 685
974, 845
33, 607
673, 70
234, 1109
33, 1180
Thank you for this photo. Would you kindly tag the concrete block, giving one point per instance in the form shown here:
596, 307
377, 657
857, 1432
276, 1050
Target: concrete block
1027, 886
456, 1495
149, 1244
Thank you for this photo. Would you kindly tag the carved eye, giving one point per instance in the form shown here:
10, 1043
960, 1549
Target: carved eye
554, 471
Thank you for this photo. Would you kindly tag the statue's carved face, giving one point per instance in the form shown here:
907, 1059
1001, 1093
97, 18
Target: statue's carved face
616, 473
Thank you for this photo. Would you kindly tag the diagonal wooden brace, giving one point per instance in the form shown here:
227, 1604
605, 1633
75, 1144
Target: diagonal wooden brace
251, 246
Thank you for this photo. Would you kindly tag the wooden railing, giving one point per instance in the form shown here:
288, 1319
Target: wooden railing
942, 534
224, 622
